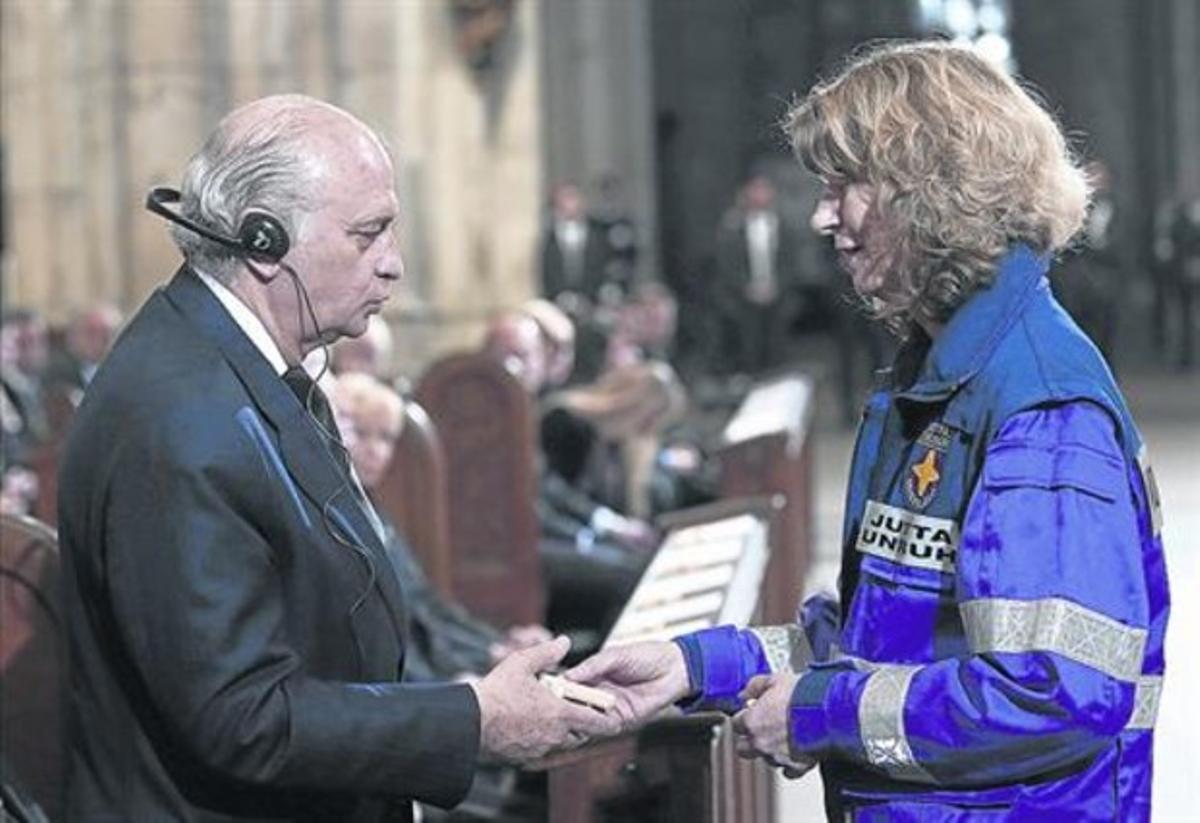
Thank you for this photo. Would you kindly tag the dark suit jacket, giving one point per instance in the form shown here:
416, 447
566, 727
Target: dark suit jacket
595, 260
733, 259
444, 639
234, 622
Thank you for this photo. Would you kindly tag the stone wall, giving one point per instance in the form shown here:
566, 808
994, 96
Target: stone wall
104, 98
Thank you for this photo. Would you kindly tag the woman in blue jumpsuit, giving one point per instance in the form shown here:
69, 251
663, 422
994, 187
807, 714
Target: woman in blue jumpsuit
996, 651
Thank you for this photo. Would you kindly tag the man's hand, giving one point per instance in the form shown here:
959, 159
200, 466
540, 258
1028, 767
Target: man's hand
762, 727
644, 677
521, 720
517, 638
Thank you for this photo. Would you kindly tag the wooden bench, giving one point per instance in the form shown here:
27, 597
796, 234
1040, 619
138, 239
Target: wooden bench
414, 494
679, 768
32, 663
486, 421
767, 451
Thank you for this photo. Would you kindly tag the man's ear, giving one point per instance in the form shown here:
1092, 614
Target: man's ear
264, 271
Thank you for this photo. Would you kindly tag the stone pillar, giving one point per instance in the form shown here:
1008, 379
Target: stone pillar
598, 109
60, 170
1184, 31
468, 147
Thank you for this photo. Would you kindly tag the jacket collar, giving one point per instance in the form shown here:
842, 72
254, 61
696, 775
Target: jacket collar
304, 452
977, 327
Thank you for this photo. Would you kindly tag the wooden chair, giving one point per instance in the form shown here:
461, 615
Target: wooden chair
414, 494
767, 451
32, 662
486, 420
60, 403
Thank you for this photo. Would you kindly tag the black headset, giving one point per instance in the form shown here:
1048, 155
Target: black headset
260, 236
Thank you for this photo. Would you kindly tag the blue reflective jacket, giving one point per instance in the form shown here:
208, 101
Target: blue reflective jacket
999, 648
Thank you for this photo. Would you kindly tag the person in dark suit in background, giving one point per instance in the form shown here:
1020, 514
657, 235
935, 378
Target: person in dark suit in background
756, 278
236, 629
574, 249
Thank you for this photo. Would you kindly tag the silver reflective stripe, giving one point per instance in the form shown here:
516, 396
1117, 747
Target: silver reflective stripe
786, 647
881, 723
1055, 625
1153, 500
1145, 702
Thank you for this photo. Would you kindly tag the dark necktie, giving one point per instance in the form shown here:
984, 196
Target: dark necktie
317, 404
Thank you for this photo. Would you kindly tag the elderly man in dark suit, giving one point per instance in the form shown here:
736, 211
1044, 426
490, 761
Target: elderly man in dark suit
236, 628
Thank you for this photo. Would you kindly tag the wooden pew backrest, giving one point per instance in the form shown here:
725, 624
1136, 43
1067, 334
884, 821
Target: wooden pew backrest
32, 661
486, 420
415, 495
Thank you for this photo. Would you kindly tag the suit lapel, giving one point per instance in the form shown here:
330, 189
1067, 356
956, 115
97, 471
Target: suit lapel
304, 452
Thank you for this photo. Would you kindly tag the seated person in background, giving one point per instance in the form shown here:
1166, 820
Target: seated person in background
90, 335
606, 439
22, 416
371, 353
645, 327
447, 642
592, 555
558, 341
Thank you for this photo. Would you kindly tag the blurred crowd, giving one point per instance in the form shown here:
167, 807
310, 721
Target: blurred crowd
599, 349
43, 376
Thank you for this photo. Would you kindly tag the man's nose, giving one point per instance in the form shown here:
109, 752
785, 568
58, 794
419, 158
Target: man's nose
391, 262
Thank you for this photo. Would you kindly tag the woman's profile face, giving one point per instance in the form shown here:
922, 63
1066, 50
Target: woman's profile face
844, 213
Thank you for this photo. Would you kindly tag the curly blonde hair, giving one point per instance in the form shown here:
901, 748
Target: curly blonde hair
964, 162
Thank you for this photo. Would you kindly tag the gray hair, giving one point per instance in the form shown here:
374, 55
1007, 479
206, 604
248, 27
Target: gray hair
265, 167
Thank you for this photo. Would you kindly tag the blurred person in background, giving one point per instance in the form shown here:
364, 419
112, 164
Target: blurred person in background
22, 360
90, 334
620, 234
1185, 240
1090, 285
645, 327
997, 644
558, 340
370, 353
756, 279
574, 252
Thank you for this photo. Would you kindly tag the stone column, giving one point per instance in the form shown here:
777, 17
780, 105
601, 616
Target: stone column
1185, 70
468, 148
598, 110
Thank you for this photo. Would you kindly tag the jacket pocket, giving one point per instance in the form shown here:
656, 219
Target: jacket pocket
1064, 467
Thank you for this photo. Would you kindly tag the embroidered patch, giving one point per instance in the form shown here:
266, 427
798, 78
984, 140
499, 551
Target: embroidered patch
922, 480
937, 436
908, 538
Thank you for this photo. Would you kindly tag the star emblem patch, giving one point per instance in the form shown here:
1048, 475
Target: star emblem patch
922, 481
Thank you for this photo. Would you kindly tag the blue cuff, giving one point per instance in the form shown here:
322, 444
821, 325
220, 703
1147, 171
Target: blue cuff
720, 663
822, 714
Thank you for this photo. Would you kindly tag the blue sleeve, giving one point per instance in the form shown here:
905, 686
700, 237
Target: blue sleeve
1052, 596
722, 660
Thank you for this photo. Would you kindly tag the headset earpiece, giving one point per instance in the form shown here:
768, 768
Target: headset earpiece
263, 237
260, 236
